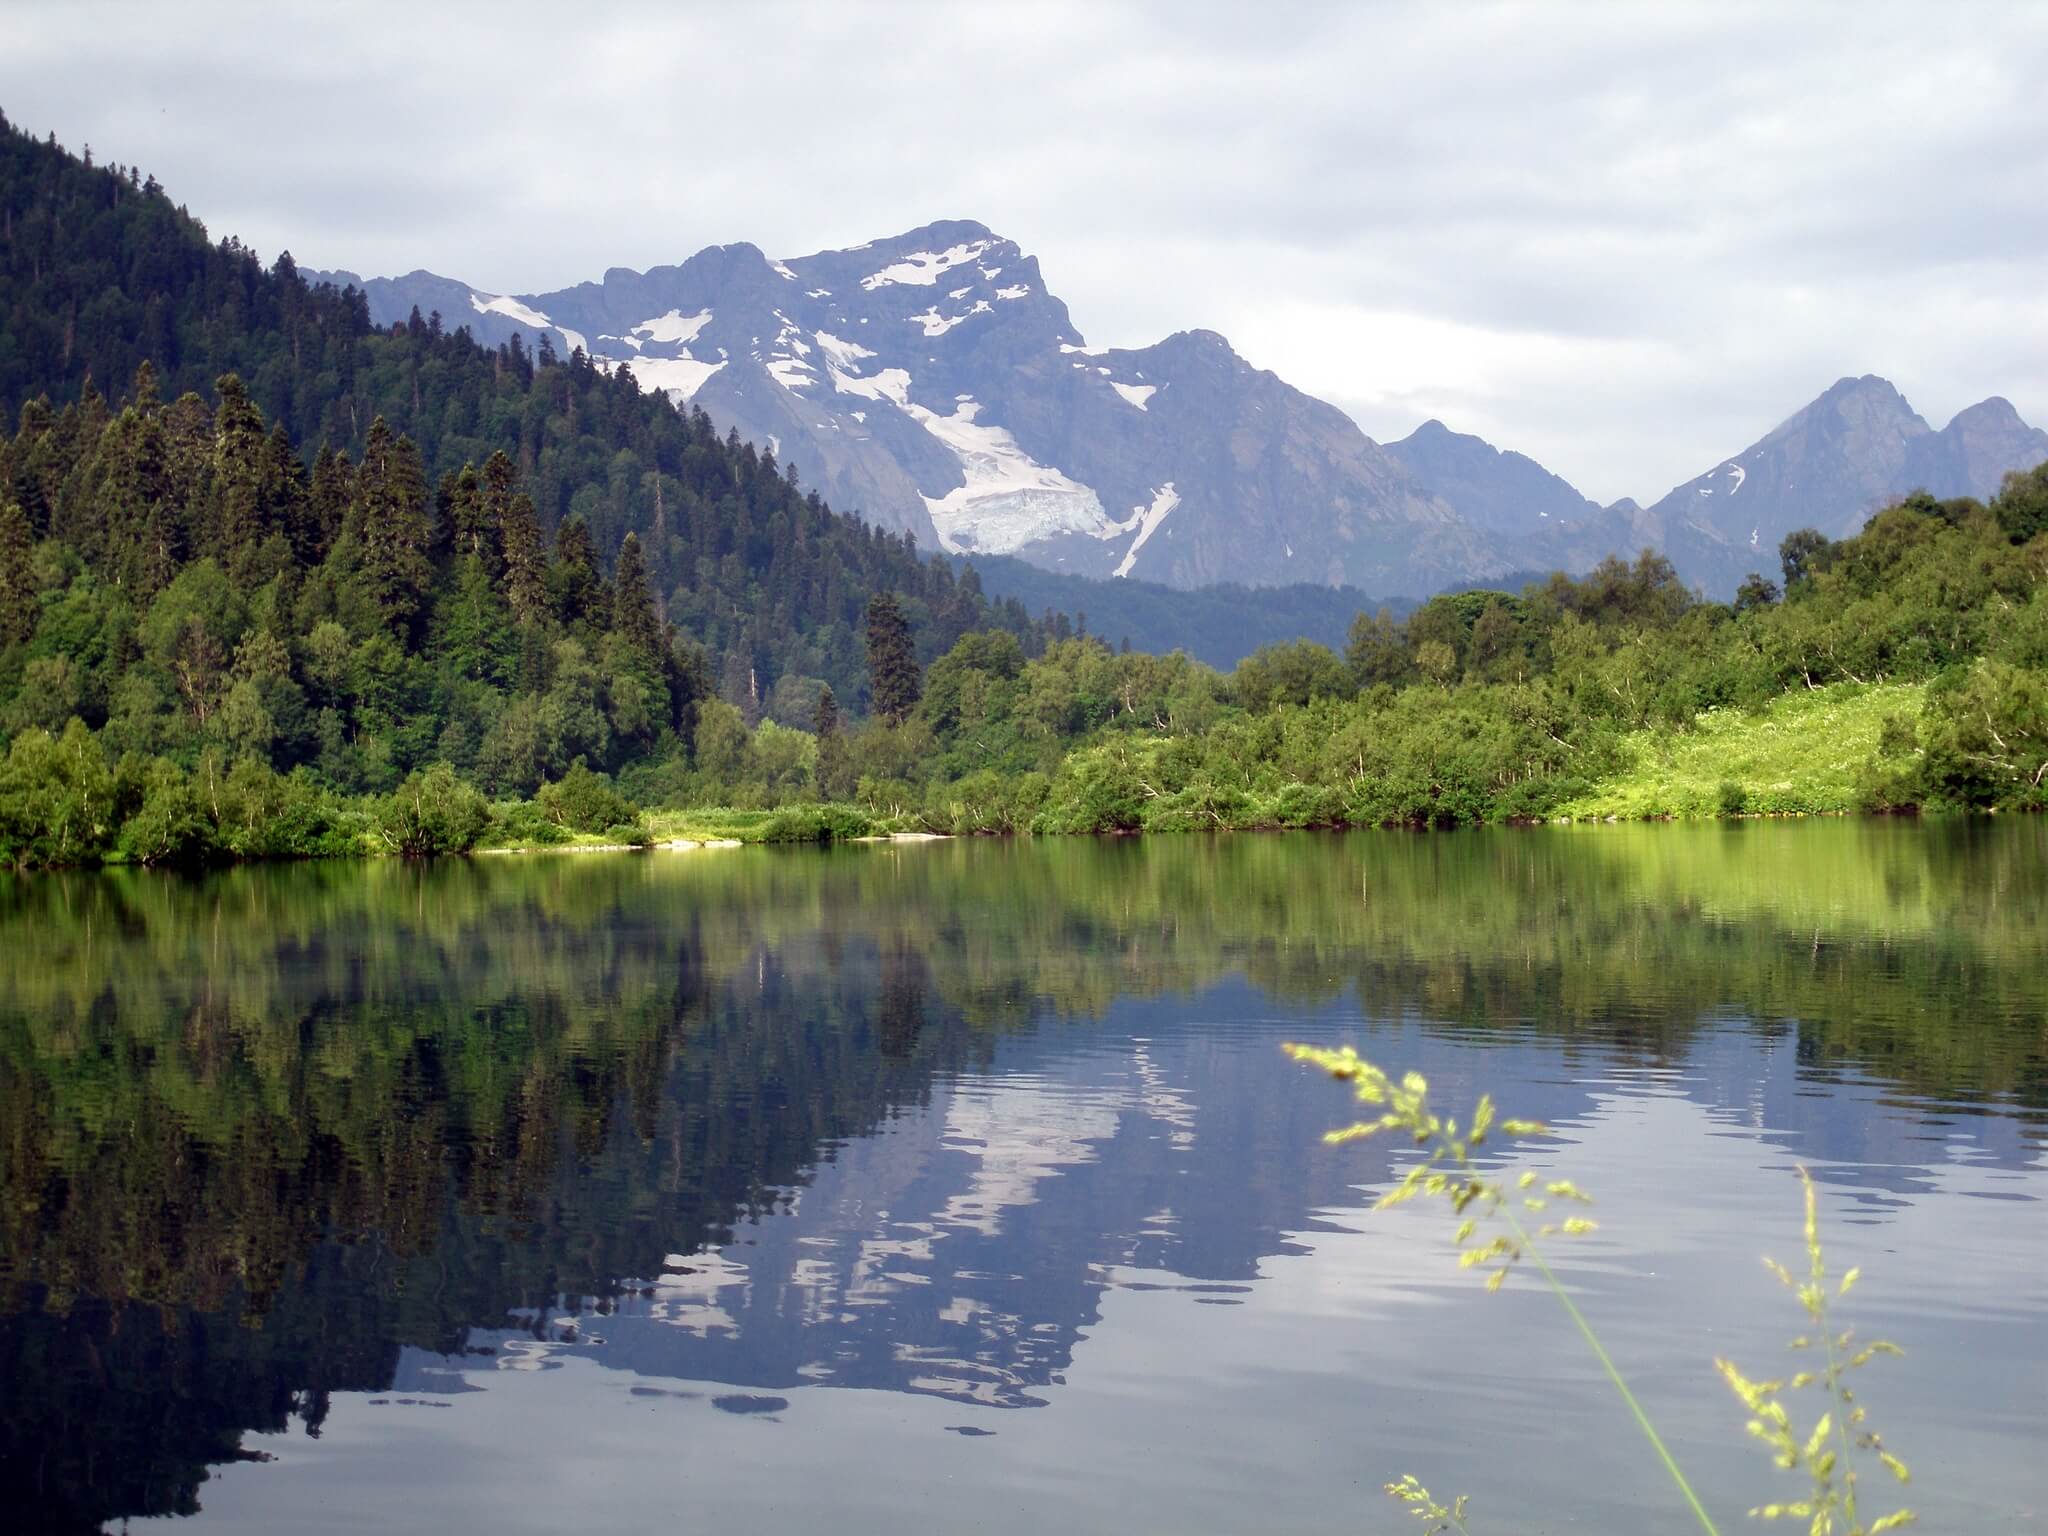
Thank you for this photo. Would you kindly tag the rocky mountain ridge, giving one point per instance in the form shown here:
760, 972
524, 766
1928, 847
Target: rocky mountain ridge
935, 384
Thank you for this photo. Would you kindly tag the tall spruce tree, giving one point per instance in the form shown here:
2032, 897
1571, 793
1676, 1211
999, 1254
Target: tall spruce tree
580, 593
526, 577
237, 527
892, 659
632, 603
391, 512
333, 491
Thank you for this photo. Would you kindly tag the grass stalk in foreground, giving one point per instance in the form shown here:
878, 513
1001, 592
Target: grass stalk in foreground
1826, 1453
1447, 1171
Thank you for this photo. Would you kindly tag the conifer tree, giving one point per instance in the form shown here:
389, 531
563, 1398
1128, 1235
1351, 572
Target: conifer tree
526, 588
892, 660
391, 511
17, 575
581, 596
328, 508
632, 603
468, 515
236, 528
287, 497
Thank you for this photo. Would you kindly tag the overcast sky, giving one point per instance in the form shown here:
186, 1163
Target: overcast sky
1625, 240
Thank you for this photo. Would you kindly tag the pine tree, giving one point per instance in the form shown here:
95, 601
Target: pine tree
287, 498
468, 515
474, 638
236, 527
827, 718
526, 587
581, 596
333, 491
892, 660
17, 575
498, 483
632, 603
391, 511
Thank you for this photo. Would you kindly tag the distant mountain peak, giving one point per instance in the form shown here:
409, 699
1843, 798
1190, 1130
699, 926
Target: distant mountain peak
1502, 491
933, 382
1992, 411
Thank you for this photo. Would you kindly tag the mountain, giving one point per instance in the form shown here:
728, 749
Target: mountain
1841, 458
104, 273
1501, 492
1858, 447
934, 383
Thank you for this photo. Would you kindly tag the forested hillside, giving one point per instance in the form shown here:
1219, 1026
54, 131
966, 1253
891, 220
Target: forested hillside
301, 586
101, 273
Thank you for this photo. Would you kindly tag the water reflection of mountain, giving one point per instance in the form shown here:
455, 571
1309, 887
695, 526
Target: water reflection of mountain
287, 1133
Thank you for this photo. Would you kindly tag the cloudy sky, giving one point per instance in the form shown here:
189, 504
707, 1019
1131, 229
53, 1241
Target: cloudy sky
1626, 240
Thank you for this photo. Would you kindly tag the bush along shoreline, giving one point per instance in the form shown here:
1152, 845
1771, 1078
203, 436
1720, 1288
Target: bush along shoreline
276, 582
62, 804
182, 684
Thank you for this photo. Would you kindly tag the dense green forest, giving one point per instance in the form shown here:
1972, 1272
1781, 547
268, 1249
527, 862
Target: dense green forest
304, 587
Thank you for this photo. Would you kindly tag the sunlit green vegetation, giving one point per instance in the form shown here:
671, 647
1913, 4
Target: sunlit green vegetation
359, 592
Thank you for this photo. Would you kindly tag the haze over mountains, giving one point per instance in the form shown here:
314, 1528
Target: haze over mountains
933, 382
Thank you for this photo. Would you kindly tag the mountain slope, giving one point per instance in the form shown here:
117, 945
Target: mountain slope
102, 272
1857, 447
1501, 492
933, 382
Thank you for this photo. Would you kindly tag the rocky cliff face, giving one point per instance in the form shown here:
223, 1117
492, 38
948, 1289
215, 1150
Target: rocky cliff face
933, 383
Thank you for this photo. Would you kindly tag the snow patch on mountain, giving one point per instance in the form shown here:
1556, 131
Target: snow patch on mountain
791, 373
1010, 500
675, 326
1137, 394
679, 377
922, 269
838, 353
891, 384
510, 308
1148, 519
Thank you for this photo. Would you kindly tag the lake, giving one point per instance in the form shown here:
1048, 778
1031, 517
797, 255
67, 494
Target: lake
965, 1185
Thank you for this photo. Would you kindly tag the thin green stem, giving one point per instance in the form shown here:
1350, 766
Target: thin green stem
1607, 1364
1841, 1406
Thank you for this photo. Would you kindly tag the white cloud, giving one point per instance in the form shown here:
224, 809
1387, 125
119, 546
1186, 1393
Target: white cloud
1625, 244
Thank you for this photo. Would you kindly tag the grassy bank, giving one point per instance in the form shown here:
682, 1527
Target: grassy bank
1802, 754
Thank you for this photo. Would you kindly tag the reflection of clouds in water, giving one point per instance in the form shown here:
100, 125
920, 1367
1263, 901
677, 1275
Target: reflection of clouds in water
1019, 1131
690, 1293
905, 1263
1160, 1099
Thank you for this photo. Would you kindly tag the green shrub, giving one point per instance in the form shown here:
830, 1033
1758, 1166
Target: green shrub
814, 824
584, 801
523, 824
432, 812
1731, 798
170, 828
57, 801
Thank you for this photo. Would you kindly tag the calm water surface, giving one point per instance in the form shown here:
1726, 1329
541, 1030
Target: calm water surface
965, 1184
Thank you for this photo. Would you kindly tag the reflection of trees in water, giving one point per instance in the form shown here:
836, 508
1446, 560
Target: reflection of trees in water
293, 1118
